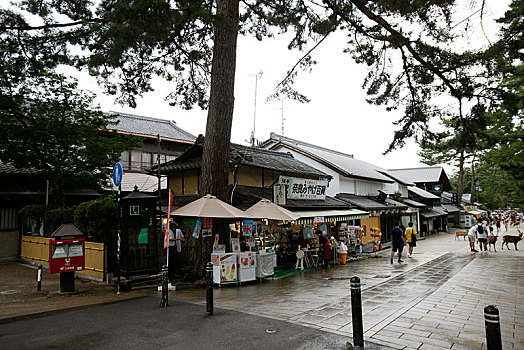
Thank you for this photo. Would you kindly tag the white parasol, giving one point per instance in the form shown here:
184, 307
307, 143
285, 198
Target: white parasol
265, 209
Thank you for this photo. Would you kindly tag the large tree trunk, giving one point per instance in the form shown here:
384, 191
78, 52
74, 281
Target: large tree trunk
460, 189
215, 159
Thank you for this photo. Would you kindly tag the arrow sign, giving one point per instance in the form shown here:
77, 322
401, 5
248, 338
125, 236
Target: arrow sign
118, 174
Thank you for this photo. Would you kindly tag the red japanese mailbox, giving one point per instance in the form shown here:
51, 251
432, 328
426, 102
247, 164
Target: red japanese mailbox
66, 255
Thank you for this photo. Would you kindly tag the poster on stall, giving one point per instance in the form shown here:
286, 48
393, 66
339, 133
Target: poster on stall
215, 243
228, 263
215, 259
309, 232
198, 228
323, 228
250, 242
207, 227
252, 260
247, 228
235, 245
244, 261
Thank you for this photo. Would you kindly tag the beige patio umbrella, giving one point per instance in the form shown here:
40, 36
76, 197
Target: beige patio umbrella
265, 209
210, 206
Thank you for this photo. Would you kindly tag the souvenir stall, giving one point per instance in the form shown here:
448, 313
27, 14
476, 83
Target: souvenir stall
352, 237
226, 266
269, 212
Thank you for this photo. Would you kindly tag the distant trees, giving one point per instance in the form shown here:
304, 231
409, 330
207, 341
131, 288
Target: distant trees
49, 125
406, 46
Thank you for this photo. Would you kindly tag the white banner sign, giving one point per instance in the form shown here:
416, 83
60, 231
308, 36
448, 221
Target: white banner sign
299, 188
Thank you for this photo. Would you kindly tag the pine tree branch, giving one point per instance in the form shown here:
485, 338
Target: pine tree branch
56, 25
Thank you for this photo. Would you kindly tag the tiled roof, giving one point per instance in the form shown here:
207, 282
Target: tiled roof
419, 175
451, 208
145, 183
249, 156
422, 193
343, 163
255, 194
433, 213
140, 125
413, 203
367, 203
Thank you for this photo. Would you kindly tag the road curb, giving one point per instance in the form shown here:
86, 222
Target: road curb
59, 311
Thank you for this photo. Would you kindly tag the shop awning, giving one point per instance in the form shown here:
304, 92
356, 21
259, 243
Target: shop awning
475, 212
308, 217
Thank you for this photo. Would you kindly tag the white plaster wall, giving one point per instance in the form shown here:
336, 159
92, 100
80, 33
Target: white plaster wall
368, 188
391, 188
347, 185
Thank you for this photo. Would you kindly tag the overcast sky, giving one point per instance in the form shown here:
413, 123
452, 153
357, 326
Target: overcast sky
338, 116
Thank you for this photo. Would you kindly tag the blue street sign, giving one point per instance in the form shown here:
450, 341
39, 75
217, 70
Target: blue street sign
118, 174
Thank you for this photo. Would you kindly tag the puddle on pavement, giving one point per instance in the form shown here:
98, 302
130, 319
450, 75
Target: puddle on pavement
10, 291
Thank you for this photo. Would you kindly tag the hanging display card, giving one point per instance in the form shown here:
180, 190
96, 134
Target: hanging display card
247, 228
215, 243
198, 228
323, 228
250, 242
235, 245
309, 232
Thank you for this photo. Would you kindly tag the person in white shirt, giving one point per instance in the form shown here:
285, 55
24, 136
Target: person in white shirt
472, 236
176, 237
482, 236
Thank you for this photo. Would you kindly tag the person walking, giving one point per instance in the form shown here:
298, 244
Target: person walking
472, 237
325, 249
176, 237
497, 224
398, 242
411, 238
482, 236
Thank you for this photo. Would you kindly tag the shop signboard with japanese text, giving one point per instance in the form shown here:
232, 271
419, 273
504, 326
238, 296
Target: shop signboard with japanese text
66, 255
299, 188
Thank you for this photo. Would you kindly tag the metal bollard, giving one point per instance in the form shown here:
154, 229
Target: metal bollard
492, 321
165, 287
209, 288
356, 312
39, 279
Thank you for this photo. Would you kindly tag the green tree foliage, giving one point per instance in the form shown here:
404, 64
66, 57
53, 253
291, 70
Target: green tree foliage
53, 218
96, 219
48, 125
405, 45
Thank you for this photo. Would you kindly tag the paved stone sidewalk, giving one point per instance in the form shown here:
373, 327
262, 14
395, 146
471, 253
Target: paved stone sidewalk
19, 297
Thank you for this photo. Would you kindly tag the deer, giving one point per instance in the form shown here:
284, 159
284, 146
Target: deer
511, 239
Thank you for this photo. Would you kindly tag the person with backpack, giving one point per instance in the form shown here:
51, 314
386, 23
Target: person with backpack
411, 238
482, 236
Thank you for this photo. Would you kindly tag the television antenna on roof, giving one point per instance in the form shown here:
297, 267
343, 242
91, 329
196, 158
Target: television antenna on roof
252, 138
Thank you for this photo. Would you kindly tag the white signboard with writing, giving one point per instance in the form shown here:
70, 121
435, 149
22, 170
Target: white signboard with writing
299, 188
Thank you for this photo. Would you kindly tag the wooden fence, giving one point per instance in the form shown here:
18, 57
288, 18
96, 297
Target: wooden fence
36, 249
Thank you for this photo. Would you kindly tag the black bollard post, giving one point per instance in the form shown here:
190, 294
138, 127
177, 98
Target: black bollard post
356, 312
209, 288
39, 279
492, 321
165, 287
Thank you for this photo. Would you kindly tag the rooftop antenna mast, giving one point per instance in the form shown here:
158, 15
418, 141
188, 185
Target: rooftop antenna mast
252, 138
282, 114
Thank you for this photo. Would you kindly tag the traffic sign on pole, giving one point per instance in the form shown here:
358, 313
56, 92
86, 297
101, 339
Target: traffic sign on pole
118, 174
